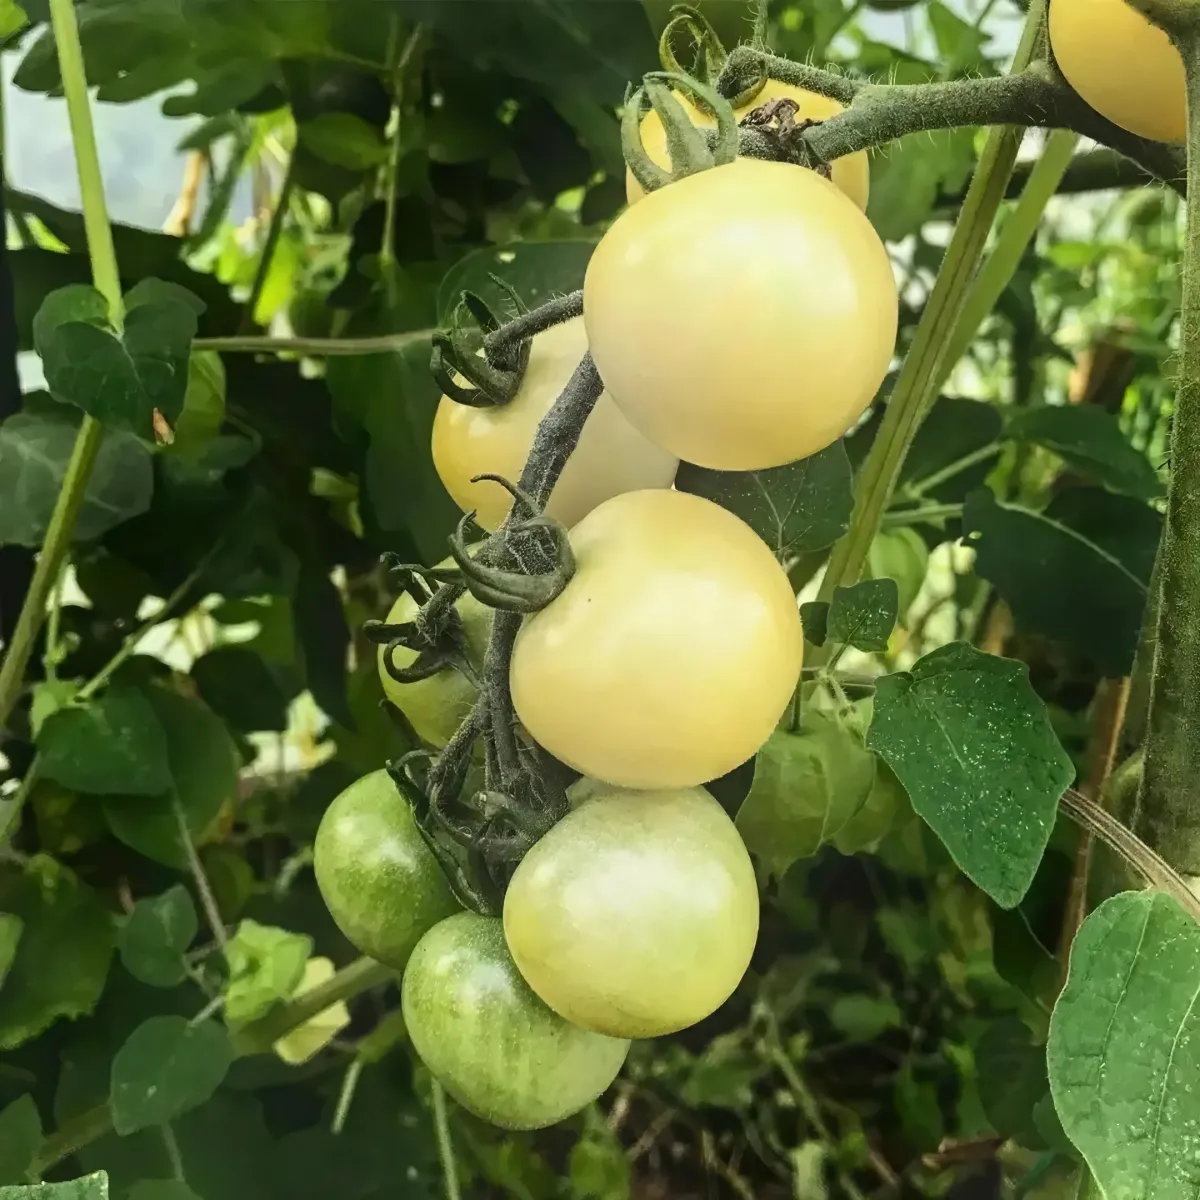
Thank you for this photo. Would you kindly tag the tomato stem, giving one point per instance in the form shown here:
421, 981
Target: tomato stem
441, 1125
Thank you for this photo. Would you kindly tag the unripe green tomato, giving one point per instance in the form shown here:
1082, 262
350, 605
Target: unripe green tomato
742, 317
612, 456
381, 883
438, 705
670, 655
637, 914
1126, 68
494, 1046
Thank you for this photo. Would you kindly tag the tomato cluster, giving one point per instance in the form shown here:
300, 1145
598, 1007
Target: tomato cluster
741, 317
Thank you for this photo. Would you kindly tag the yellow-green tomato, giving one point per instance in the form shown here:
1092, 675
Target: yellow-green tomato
852, 174
743, 317
381, 883
1126, 68
636, 915
612, 456
669, 657
495, 1047
437, 705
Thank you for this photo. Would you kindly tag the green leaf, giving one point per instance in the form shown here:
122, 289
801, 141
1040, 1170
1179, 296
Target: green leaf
265, 965
166, 1067
1011, 1070
796, 509
1124, 1053
62, 958
240, 688
886, 804
155, 935
20, 1138
12, 18
160, 1189
111, 745
814, 617
344, 140
323, 640
120, 380
35, 448
203, 404
865, 1018
1090, 595
807, 786
972, 744
1092, 441
49, 697
863, 615
11, 929
900, 554
75, 302
535, 270
203, 764
91, 1187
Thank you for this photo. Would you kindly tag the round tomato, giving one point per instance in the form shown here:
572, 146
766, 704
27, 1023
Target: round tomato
1126, 68
495, 1047
377, 877
669, 657
636, 915
852, 174
436, 706
743, 317
611, 457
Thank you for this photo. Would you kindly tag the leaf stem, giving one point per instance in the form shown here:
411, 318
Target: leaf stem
208, 899
314, 347
911, 516
441, 1124
917, 489
387, 248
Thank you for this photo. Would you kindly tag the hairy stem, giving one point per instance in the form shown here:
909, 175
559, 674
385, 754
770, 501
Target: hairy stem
553, 312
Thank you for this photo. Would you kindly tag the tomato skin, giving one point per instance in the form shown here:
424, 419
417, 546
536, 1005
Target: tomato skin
495, 1047
379, 880
436, 706
851, 174
669, 657
612, 456
743, 317
1126, 68
637, 914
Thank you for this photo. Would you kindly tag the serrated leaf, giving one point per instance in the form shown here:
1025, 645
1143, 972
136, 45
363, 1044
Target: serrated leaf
1092, 441
35, 449
864, 614
797, 508
807, 785
113, 744
972, 743
266, 965
166, 1067
1124, 1050
156, 935
20, 1138
91, 1187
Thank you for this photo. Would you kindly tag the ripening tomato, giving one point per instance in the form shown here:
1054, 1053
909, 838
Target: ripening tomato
852, 174
636, 915
495, 1047
381, 883
436, 706
611, 457
669, 657
743, 317
1126, 68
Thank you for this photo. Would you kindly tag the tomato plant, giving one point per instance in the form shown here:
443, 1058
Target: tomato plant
497, 1048
636, 915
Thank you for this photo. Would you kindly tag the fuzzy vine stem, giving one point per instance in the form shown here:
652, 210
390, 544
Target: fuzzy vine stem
108, 282
1168, 806
441, 1125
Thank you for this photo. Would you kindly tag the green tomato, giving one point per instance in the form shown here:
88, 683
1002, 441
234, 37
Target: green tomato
379, 880
437, 706
637, 914
495, 1047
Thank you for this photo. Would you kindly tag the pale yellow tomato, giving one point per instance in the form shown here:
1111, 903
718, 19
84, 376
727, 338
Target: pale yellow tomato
852, 174
636, 915
669, 657
1122, 65
611, 457
743, 317
436, 706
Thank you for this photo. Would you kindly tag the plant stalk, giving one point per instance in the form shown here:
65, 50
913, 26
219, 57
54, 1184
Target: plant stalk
274, 230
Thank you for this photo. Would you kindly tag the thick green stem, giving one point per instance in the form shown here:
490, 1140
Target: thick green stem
1168, 810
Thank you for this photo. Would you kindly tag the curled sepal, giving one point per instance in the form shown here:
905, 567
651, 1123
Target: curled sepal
710, 54
460, 362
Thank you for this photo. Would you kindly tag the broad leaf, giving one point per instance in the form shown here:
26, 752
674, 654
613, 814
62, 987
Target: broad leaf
344, 140
863, 615
203, 404
166, 1067
973, 746
1124, 1050
11, 929
537, 271
111, 745
20, 1138
155, 935
35, 448
807, 786
92, 1187
242, 689
1011, 1069
324, 640
797, 508
265, 966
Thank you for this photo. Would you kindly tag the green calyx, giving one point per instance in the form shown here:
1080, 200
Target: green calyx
465, 367
709, 54
690, 148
